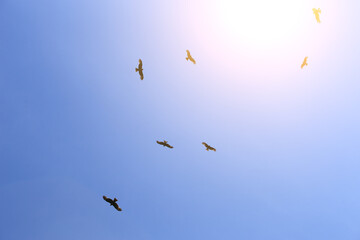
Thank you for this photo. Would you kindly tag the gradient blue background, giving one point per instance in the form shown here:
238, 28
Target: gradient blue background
76, 123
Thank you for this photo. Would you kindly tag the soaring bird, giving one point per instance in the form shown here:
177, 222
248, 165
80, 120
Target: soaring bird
189, 57
208, 147
165, 144
304, 62
112, 203
140, 70
317, 14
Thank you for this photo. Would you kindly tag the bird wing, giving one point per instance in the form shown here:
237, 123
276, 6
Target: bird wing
304, 62
168, 145
192, 59
140, 64
116, 206
141, 74
205, 144
107, 199
161, 143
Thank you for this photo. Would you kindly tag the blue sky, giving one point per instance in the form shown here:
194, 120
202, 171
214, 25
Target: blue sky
77, 123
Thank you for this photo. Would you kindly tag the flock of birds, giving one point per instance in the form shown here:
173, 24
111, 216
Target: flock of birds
164, 143
208, 147
317, 16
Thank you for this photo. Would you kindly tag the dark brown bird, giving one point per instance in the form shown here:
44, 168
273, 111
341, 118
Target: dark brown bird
208, 147
165, 144
189, 57
140, 70
112, 203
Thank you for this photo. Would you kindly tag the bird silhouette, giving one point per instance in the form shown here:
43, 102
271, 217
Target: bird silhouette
165, 144
304, 62
140, 70
208, 147
317, 14
112, 203
189, 57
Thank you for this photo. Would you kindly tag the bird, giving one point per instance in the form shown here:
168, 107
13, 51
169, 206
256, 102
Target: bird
208, 147
304, 62
189, 57
165, 144
140, 70
317, 14
112, 203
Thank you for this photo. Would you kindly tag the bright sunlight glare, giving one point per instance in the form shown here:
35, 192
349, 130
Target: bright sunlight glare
262, 23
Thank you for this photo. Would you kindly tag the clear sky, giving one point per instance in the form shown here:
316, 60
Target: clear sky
77, 123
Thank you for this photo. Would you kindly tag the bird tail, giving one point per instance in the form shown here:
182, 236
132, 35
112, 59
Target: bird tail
306, 64
187, 59
136, 69
115, 200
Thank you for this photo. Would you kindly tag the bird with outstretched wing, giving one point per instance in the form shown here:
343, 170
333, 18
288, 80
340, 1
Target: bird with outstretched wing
140, 70
165, 144
112, 203
304, 62
208, 147
317, 14
189, 57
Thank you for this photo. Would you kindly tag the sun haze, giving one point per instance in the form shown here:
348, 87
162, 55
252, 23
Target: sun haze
244, 144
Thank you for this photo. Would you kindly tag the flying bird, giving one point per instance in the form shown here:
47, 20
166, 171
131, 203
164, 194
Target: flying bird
304, 62
165, 144
140, 70
189, 57
208, 147
112, 203
317, 14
